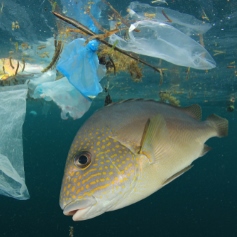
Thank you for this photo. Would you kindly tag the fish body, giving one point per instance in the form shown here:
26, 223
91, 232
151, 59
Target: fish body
127, 151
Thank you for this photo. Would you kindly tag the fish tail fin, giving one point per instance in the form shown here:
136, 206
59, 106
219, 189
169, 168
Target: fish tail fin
219, 124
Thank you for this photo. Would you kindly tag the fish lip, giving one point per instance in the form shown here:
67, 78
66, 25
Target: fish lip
77, 206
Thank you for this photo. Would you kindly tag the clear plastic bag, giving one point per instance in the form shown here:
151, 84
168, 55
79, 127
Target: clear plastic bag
71, 101
40, 79
12, 115
186, 23
163, 41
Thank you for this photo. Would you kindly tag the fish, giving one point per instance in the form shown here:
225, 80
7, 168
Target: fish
128, 150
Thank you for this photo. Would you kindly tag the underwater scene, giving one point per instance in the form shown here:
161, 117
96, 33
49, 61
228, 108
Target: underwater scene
118, 118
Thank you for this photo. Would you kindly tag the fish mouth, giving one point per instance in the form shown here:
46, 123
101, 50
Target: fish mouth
79, 208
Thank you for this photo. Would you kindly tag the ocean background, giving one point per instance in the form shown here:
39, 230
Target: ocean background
200, 203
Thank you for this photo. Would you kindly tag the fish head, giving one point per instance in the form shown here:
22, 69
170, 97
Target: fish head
99, 173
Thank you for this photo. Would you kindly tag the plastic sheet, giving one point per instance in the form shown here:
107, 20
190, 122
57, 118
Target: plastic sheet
80, 64
163, 41
186, 23
12, 115
71, 101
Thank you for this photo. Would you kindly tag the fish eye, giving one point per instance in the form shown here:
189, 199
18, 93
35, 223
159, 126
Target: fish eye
83, 159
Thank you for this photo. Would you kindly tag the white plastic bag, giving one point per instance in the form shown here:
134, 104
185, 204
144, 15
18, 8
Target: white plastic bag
65, 95
12, 116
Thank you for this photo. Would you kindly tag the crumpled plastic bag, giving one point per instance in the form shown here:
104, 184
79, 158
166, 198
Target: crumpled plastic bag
164, 41
71, 101
12, 115
186, 23
80, 64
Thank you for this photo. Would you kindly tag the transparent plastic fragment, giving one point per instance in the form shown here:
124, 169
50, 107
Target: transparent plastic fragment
40, 79
71, 101
186, 23
80, 63
12, 115
163, 41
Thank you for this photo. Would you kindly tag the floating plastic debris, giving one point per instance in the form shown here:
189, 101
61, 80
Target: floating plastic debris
12, 115
33, 113
80, 64
45, 77
71, 101
164, 41
186, 23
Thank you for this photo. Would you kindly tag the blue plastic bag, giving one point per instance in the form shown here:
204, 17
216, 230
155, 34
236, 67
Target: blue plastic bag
79, 63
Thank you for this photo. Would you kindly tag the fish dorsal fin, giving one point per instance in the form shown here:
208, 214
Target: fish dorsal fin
194, 111
131, 99
155, 131
176, 175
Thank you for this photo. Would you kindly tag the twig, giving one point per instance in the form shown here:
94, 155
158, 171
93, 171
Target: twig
126, 23
163, 12
58, 48
88, 12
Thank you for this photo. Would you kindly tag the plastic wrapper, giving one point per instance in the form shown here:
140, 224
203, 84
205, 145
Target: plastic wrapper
71, 101
12, 115
80, 64
164, 41
186, 23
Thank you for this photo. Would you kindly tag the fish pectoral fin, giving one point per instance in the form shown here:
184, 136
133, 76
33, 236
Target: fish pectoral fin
176, 175
206, 148
154, 132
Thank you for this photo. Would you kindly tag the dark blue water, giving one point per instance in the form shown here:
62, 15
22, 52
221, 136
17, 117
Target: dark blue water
200, 203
